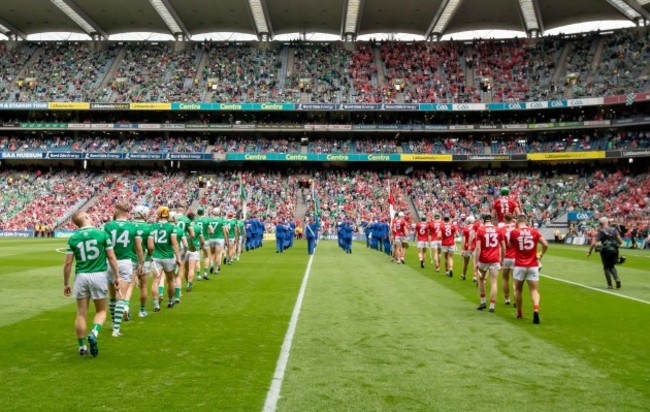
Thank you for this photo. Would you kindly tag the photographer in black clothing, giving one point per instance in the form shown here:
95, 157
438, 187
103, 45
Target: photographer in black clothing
610, 239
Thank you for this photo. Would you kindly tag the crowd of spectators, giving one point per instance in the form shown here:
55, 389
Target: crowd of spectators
11, 62
319, 71
156, 73
348, 146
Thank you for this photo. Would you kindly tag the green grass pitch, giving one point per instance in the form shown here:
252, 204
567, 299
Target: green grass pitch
371, 336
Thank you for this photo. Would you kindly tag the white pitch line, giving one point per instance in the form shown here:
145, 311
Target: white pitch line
273, 395
597, 290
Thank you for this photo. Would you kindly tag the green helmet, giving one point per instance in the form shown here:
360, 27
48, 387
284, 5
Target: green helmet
199, 212
505, 191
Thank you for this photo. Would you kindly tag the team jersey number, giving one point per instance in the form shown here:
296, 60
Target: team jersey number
423, 230
491, 239
505, 206
123, 239
159, 236
88, 250
181, 224
447, 231
526, 242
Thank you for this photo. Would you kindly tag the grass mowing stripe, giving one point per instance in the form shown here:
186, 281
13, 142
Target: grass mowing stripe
278, 376
596, 289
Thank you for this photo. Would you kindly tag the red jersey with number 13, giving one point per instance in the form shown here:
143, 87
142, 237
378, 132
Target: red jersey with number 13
490, 240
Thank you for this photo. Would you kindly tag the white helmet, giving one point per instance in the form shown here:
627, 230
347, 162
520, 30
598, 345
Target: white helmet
141, 211
400, 214
216, 211
470, 219
172, 216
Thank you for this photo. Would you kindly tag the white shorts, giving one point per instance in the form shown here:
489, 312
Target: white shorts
399, 239
522, 273
191, 257
468, 253
146, 267
508, 263
168, 265
231, 241
488, 266
93, 284
446, 249
436, 244
125, 266
216, 243
422, 244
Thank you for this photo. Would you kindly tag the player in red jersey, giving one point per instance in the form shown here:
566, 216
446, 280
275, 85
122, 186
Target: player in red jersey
423, 236
399, 233
488, 253
508, 262
504, 204
524, 239
469, 244
436, 226
447, 234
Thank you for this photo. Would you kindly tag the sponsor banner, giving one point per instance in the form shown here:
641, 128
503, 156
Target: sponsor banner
541, 126
364, 127
641, 97
645, 119
597, 122
244, 127
515, 126
188, 156
231, 106
401, 107
579, 215
612, 99
589, 101
9, 125
102, 126
636, 153
150, 106
23, 106
359, 106
211, 126
439, 107
125, 125
518, 157
389, 127
506, 106
567, 155
459, 158
176, 126
436, 127
468, 107
104, 156
557, 104
339, 127
570, 124
68, 106
79, 126
64, 155
16, 233
21, 155
426, 158
488, 126
43, 125
613, 154
191, 106
461, 127
109, 106
143, 156
536, 105
149, 126
274, 106
61, 234
496, 157
313, 157
317, 106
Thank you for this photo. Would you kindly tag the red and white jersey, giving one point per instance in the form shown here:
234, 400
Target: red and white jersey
436, 226
524, 240
467, 232
423, 231
448, 234
505, 232
504, 205
489, 237
399, 227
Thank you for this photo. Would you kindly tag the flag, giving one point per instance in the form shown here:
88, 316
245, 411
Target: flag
242, 195
391, 203
629, 99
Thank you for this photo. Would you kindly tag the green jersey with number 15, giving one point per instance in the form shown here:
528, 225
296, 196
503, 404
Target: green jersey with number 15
89, 246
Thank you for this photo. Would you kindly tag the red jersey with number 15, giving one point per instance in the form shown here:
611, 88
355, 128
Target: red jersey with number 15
490, 239
399, 227
524, 240
504, 205
423, 231
448, 234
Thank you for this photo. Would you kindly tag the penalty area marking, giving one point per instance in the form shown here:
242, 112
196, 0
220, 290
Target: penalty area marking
597, 290
273, 395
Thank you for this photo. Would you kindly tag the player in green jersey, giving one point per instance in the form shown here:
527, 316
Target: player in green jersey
142, 274
181, 236
217, 236
233, 232
241, 238
185, 227
192, 260
127, 249
90, 248
163, 246
201, 221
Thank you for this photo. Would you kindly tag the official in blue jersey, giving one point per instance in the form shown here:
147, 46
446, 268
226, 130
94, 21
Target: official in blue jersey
385, 235
311, 233
280, 229
346, 235
366, 231
339, 226
292, 227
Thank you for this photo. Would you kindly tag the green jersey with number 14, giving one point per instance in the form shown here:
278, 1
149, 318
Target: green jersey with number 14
89, 246
122, 235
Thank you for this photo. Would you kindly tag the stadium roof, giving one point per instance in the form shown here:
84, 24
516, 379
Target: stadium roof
185, 18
